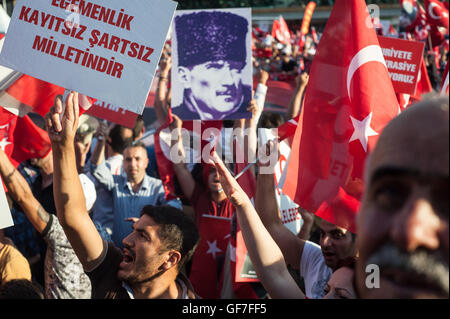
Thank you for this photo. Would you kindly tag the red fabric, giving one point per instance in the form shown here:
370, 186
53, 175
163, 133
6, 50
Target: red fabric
423, 83
341, 211
165, 168
40, 95
436, 36
213, 222
437, 13
420, 18
288, 129
209, 257
21, 139
392, 30
349, 83
280, 31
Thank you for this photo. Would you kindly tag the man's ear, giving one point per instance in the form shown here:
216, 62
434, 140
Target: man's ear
184, 75
173, 258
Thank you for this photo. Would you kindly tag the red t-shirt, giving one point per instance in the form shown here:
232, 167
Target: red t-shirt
203, 204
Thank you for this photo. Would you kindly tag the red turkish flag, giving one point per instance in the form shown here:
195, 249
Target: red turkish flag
165, 168
436, 12
21, 139
280, 31
423, 82
444, 84
209, 257
413, 15
349, 100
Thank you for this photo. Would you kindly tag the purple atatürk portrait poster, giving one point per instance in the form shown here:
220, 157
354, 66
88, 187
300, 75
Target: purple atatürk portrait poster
212, 66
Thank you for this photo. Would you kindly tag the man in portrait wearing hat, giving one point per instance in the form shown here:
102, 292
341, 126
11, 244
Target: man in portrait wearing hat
211, 57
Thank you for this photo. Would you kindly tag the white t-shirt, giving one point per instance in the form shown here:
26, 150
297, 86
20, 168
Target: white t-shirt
314, 270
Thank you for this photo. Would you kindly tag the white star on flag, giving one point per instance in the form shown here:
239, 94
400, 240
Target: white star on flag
4, 142
362, 130
213, 249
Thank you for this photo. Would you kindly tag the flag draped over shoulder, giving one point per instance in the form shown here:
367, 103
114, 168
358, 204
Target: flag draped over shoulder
348, 101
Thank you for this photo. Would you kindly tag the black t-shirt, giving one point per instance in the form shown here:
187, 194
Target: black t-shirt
106, 285
289, 66
104, 281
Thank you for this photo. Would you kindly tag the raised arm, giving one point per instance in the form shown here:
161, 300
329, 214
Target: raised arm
98, 155
266, 256
267, 208
68, 193
178, 155
295, 105
162, 89
20, 191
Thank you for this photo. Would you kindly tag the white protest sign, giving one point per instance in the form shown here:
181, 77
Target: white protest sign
5, 213
289, 210
108, 50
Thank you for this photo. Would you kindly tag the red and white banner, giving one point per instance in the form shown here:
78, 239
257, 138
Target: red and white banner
403, 60
437, 13
348, 102
280, 31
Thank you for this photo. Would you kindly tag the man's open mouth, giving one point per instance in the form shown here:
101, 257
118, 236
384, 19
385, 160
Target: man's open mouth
128, 257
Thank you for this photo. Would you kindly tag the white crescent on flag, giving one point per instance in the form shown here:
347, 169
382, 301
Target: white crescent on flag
365, 55
431, 12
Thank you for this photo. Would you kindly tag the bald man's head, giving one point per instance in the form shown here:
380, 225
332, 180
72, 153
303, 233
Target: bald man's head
403, 220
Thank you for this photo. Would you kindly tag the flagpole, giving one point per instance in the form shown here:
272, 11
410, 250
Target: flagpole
246, 169
147, 134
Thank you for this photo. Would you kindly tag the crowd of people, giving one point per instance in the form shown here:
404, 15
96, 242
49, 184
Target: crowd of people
92, 219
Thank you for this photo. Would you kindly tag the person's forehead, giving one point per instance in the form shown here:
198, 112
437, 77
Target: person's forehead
410, 156
327, 227
148, 225
134, 151
417, 143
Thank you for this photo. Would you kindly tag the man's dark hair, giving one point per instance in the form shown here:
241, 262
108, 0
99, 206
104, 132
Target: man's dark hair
136, 145
138, 126
177, 231
270, 120
21, 289
118, 139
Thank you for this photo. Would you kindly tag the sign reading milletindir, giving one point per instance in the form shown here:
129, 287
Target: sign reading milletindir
105, 49
403, 62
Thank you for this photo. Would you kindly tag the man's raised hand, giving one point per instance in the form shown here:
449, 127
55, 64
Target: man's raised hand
230, 186
61, 127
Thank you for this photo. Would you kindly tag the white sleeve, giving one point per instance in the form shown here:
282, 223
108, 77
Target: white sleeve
311, 256
314, 270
